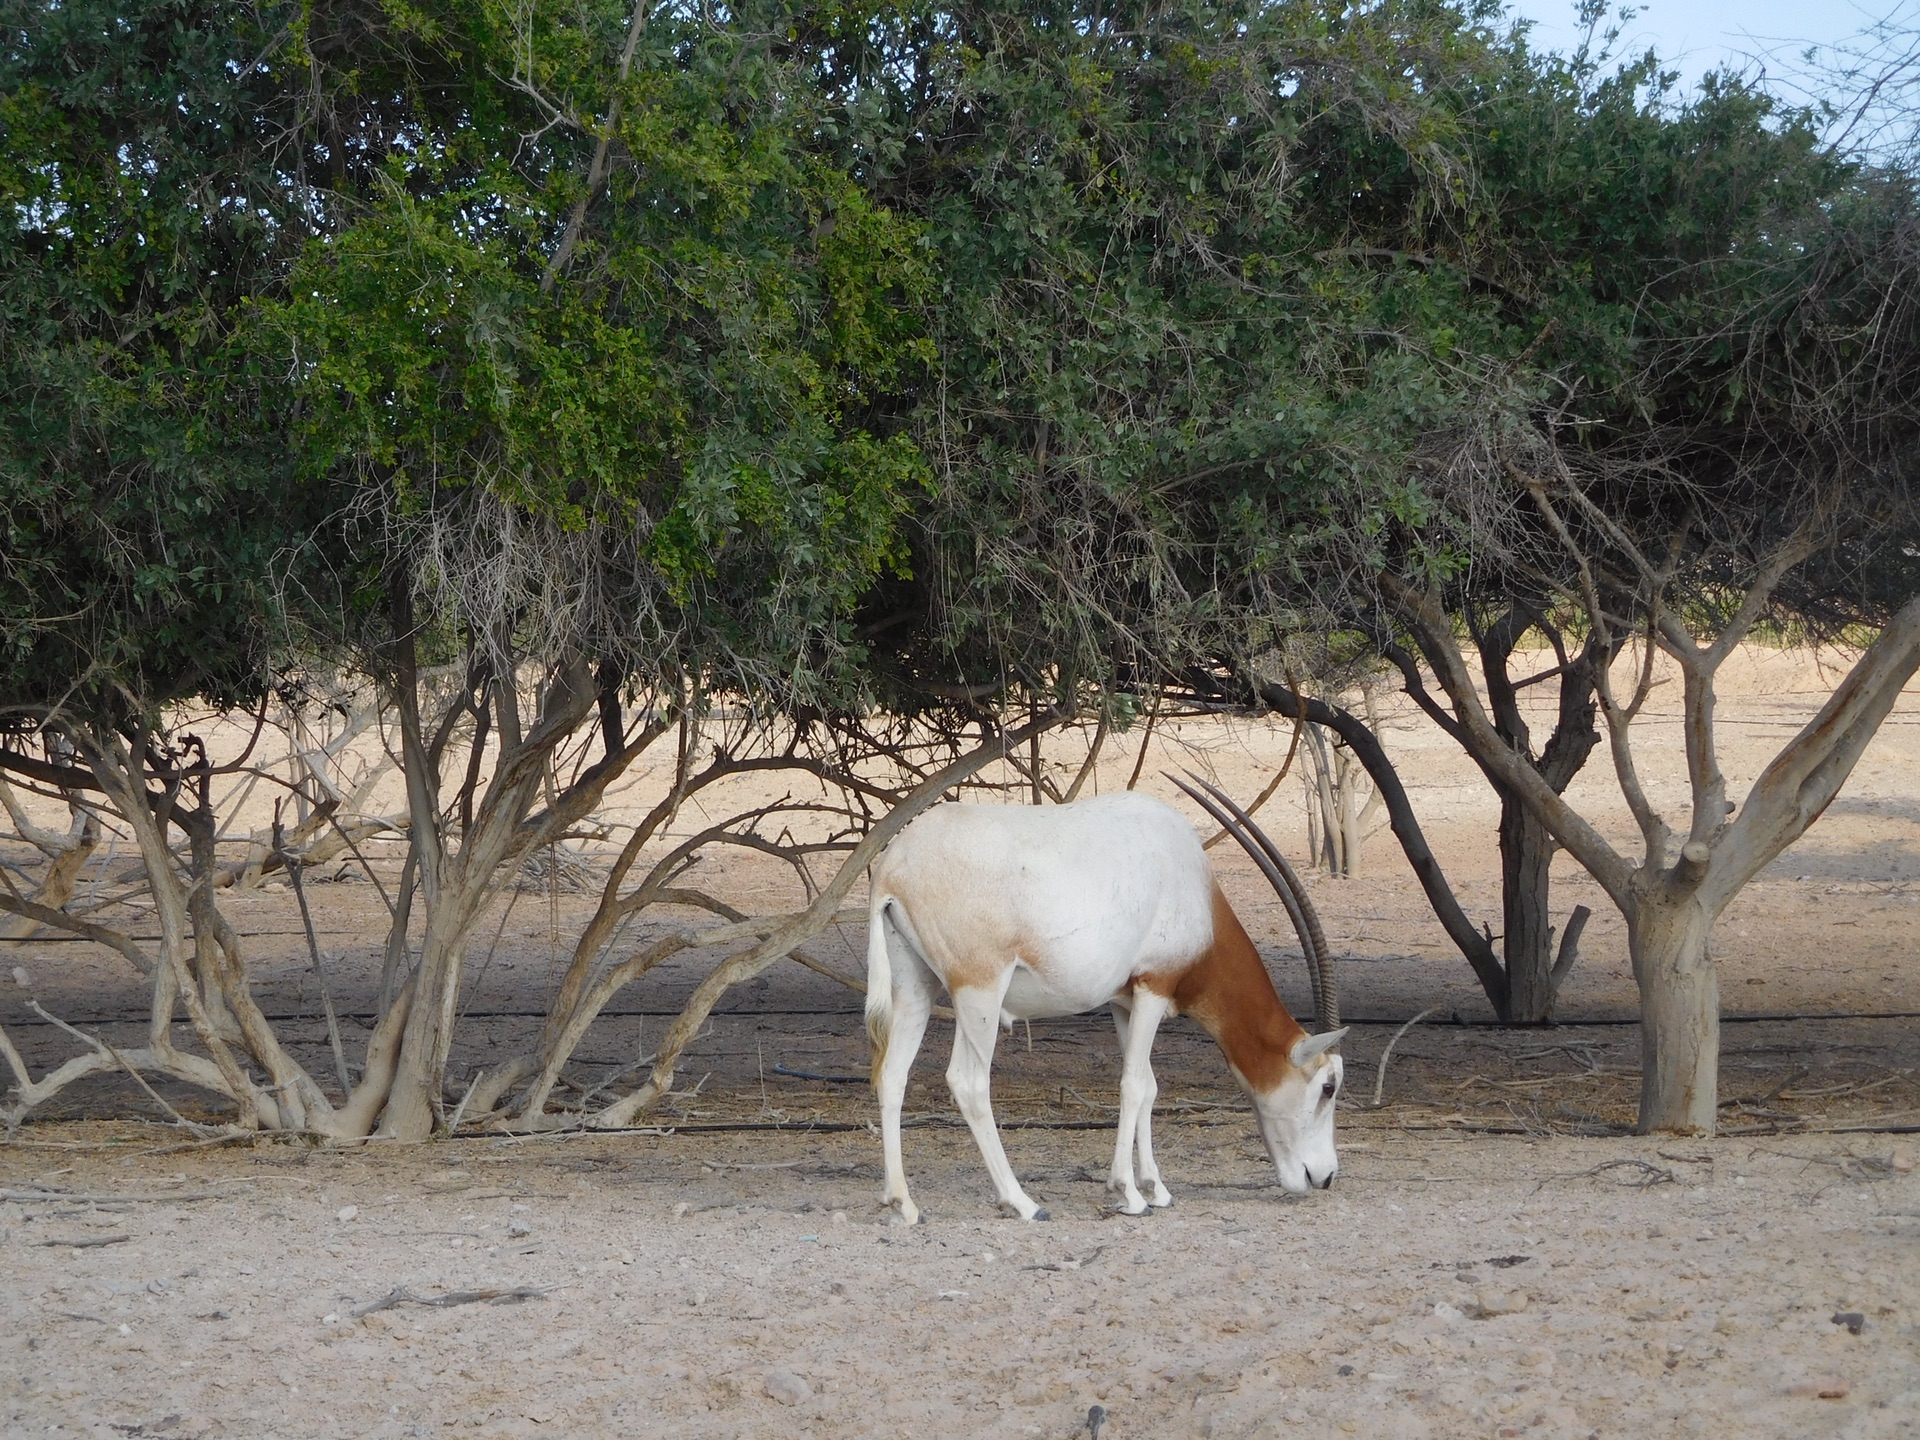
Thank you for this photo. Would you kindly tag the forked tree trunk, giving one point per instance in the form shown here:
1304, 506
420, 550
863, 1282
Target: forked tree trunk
421, 1068
1669, 938
1526, 864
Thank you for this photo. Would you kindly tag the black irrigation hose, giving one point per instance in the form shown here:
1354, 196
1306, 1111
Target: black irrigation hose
954, 1122
798, 1127
1454, 1022
369, 1016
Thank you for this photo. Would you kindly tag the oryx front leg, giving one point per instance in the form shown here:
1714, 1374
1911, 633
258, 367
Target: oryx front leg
976, 1026
1137, 1023
912, 1004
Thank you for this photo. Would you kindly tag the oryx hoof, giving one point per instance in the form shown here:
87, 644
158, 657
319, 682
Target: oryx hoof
1043, 1213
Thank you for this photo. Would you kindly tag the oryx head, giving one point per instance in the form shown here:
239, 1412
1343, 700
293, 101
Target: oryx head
1296, 1116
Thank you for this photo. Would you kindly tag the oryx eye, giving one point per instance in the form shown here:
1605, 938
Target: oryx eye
1326, 1090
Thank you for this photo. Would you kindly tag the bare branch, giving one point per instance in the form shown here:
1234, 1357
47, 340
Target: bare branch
1803, 779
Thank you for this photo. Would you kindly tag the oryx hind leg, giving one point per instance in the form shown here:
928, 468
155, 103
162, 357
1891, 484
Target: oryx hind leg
976, 1028
913, 987
1137, 1020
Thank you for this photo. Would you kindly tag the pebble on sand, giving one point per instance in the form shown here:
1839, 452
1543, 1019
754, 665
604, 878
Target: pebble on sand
786, 1387
1820, 1387
346, 1213
1490, 1302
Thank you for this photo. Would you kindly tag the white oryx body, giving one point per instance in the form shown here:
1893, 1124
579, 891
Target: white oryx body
1030, 912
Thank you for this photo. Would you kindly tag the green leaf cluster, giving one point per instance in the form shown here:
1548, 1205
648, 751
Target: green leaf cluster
152, 532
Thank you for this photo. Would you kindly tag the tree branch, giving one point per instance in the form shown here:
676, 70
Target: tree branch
1406, 828
1483, 742
1803, 779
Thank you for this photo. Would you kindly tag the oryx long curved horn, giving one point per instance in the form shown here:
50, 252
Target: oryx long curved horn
1326, 997
1286, 884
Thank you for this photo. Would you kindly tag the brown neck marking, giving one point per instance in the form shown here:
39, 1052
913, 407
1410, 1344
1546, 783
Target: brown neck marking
1227, 989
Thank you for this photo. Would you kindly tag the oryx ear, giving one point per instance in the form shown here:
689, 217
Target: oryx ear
1308, 1046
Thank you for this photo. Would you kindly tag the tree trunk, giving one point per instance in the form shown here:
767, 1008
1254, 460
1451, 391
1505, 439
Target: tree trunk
1526, 863
414, 1101
1669, 937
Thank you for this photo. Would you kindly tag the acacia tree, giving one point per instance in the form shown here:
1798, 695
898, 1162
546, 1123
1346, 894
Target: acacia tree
155, 539
580, 330
1197, 320
1599, 232
1763, 476
1155, 361
599, 352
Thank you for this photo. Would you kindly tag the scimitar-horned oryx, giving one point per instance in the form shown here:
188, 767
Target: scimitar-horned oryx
1025, 912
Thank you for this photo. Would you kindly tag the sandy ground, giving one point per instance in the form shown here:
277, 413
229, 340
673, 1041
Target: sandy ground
706, 1285
1669, 1286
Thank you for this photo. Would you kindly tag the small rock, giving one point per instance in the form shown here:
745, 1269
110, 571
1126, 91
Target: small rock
518, 1229
680, 1210
786, 1387
1491, 1302
330, 1318
346, 1213
1820, 1387
1852, 1319
1538, 1357
1726, 1325
1448, 1313
1901, 1159
519, 1207
839, 1217
25, 982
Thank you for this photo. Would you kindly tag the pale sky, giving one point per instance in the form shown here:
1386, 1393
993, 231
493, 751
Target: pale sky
1693, 36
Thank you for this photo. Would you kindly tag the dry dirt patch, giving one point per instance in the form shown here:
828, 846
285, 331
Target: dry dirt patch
724, 1285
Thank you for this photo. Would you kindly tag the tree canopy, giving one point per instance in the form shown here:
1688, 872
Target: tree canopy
152, 528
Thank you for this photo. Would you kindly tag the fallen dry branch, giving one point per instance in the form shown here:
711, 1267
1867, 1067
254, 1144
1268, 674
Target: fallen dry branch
65, 1197
1380, 1077
399, 1295
1645, 1174
84, 1242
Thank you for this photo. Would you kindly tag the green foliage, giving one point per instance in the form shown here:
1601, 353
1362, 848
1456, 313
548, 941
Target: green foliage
819, 349
637, 302
150, 528
1167, 364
